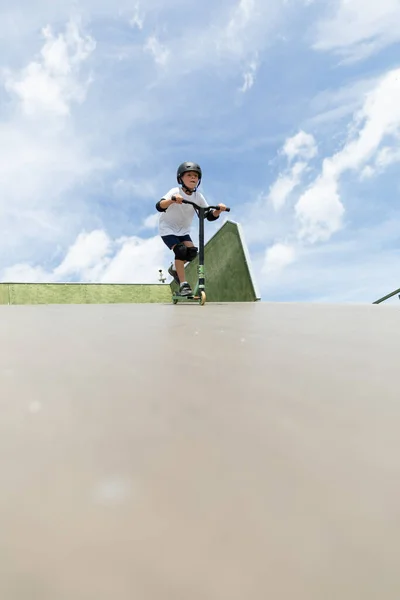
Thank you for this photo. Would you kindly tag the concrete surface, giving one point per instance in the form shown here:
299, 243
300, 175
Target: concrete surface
245, 451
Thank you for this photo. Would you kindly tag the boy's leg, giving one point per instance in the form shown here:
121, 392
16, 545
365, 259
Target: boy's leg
184, 288
171, 241
180, 264
173, 273
179, 272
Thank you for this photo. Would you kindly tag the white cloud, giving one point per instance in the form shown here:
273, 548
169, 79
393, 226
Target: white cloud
137, 19
95, 257
87, 257
39, 165
378, 119
133, 188
359, 28
386, 157
277, 257
285, 184
159, 52
136, 261
248, 81
301, 145
43, 155
233, 35
358, 268
371, 146
249, 76
367, 172
241, 15
26, 274
320, 210
339, 103
50, 84
151, 221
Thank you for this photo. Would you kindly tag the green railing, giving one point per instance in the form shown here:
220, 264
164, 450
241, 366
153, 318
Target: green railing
387, 297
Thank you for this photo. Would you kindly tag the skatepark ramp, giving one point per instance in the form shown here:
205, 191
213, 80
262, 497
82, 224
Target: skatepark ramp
229, 278
234, 451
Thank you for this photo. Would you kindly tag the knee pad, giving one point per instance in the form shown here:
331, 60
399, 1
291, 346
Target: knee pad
191, 253
180, 251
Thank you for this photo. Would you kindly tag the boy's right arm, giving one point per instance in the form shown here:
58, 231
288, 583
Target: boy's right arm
167, 200
165, 203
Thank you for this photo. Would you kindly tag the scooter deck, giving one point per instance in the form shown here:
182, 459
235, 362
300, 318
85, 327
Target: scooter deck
201, 298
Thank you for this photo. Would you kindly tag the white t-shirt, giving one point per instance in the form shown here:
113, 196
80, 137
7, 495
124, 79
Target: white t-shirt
177, 219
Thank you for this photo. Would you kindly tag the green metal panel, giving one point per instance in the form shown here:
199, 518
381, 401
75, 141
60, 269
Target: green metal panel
83, 293
4, 293
228, 275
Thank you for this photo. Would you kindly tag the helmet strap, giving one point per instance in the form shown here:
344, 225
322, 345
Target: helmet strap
187, 190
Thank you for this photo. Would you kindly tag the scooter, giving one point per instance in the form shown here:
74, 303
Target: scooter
199, 293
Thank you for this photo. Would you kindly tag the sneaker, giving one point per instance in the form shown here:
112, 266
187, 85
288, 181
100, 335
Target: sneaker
185, 290
174, 274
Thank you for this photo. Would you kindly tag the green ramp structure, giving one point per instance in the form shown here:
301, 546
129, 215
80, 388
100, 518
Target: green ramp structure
228, 276
228, 273
83, 293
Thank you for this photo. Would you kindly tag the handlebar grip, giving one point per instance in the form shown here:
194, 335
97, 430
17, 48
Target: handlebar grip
227, 209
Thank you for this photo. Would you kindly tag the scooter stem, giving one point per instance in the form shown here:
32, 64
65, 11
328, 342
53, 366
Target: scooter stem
201, 279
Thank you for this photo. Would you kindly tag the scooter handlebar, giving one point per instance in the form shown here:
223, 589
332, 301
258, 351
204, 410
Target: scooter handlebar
227, 209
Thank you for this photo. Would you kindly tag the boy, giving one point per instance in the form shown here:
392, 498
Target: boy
176, 219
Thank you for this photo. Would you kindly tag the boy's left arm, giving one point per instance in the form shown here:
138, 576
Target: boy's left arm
213, 216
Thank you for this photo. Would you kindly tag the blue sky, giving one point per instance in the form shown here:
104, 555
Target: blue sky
292, 108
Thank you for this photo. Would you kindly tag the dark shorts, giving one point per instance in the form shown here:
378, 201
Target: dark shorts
171, 240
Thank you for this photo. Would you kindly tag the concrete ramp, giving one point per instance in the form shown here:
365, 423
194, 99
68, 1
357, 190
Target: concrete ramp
225, 452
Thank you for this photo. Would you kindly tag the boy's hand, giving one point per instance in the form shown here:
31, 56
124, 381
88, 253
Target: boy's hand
222, 207
178, 199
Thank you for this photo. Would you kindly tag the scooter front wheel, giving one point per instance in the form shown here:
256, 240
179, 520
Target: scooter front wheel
202, 298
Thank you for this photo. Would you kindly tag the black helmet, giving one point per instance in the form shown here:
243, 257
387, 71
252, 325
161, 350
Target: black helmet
185, 168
